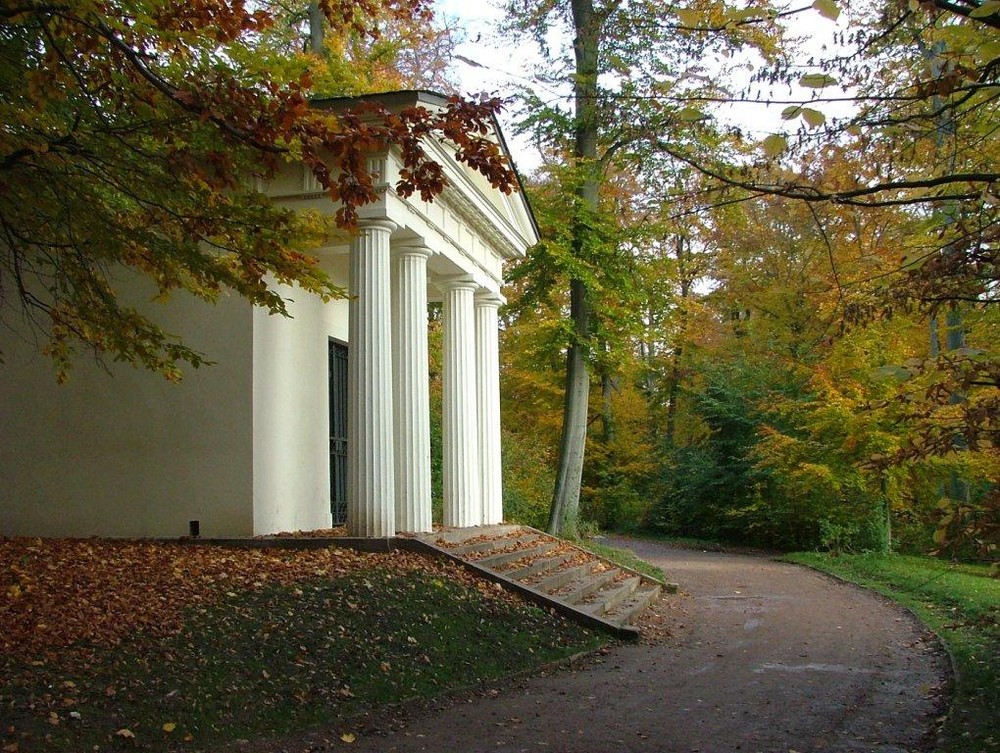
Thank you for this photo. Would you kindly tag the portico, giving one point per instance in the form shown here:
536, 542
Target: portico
389, 424
256, 444
408, 252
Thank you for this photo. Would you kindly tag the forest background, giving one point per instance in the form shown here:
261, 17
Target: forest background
779, 330
790, 270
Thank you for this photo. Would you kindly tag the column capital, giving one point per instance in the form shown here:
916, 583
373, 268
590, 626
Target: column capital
486, 297
459, 282
412, 248
377, 224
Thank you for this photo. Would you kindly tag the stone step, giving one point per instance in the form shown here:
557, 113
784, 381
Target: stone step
561, 578
518, 554
450, 536
539, 567
607, 599
552, 573
632, 607
587, 585
491, 544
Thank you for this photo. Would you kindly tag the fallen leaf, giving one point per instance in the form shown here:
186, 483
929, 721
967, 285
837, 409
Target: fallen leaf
169, 726
348, 737
126, 733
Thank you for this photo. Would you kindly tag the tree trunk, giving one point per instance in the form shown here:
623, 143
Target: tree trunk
607, 390
684, 273
317, 41
566, 498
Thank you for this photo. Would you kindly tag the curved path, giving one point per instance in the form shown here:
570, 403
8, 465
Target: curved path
754, 655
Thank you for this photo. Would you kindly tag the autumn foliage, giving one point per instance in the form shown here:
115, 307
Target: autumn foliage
133, 134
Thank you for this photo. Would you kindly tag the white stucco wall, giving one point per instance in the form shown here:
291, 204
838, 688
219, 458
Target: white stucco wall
129, 454
291, 480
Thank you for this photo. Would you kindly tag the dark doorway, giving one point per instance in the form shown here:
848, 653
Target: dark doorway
338, 432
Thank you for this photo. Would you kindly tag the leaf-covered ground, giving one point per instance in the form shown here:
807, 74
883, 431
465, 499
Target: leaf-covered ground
108, 645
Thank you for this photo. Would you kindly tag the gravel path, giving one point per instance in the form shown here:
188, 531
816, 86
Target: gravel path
753, 655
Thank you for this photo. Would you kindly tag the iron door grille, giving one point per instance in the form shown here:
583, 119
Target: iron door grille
338, 432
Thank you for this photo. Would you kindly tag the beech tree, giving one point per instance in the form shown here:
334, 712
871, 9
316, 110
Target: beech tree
628, 58
131, 132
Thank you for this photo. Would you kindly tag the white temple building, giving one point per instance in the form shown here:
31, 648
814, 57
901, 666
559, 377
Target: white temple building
300, 420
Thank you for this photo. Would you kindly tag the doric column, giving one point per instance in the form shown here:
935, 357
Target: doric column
462, 500
488, 405
412, 402
371, 495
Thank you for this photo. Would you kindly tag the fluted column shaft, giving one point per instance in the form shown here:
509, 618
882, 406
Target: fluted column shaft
488, 406
412, 401
370, 457
462, 495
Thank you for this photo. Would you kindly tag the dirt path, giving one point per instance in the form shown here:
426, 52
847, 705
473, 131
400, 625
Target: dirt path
754, 655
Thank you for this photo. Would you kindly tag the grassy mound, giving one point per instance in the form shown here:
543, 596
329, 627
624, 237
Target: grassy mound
270, 642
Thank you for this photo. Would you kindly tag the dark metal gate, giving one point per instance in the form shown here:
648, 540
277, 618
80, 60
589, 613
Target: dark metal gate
338, 432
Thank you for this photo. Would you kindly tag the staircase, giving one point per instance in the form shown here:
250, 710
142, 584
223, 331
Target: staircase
553, 573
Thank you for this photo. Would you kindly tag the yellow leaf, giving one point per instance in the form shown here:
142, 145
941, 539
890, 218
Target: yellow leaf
827, 9
170, 726
813, 117
348, 737
689, 17
774, 145
986, 9
817, 80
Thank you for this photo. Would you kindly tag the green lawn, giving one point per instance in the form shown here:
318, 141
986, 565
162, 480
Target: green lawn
961, 603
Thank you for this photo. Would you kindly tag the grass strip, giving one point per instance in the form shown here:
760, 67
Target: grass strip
961, 603
622, 557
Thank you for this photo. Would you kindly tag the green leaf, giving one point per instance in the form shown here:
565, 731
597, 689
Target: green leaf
896, 373
814, 118
987, 51
817, 80
986, 9
691, 114
791, 112
827, 9
775, 144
